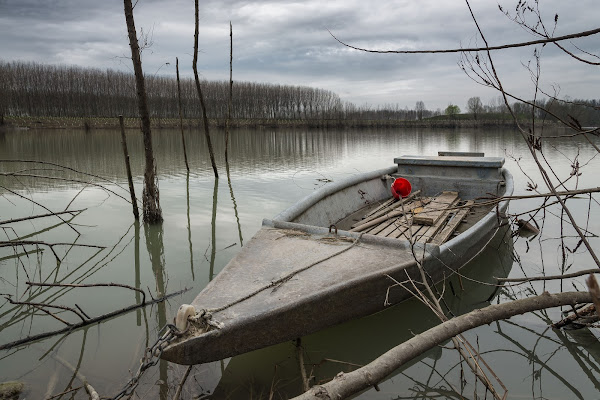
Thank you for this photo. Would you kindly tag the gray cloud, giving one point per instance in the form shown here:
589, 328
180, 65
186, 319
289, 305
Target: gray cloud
287, 42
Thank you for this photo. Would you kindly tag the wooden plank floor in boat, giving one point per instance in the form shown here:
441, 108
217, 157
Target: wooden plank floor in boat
418, 218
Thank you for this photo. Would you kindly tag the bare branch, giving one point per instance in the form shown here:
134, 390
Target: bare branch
90, 285
90, 321
549, 277
473, 49
11, 221
347, 384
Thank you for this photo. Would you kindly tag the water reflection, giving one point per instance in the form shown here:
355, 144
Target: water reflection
136, 259
213, 231
155, 247
252, 152
235, 209
189, 225
268, 171
276, 369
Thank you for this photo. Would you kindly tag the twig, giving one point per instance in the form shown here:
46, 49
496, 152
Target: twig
63, 393
64, 167
56, 178
50, 314
50, 245
52, 214
83, 312
38, 305
37, 242
532, 196
89, 285
344, 385
40, 205
474, 49
550, 277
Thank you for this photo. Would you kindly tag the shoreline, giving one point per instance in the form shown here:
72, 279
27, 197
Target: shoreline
93, 123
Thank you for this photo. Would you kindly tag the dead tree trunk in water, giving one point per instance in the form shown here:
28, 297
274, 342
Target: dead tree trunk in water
230, 91
199, 89
187, 166
136, 214
150, 194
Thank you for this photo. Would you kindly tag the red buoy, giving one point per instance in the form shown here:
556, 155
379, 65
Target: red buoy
401, 187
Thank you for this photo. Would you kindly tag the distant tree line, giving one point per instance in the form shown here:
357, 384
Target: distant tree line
575, 111
32, 89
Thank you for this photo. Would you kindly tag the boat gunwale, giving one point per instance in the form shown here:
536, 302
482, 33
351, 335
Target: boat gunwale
295, 210
284, 219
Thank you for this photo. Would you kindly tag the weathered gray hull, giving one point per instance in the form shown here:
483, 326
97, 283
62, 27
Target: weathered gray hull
299, 278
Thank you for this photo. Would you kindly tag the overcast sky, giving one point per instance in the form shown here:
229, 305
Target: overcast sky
287, 42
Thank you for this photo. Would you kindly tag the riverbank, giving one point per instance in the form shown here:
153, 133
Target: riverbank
89, 123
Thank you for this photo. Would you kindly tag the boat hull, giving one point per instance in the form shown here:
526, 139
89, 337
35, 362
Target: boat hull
294, 278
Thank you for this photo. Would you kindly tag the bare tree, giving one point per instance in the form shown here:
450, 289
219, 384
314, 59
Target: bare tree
150, 195
230, 90
419, 108
202, 104
474, 106
187, 165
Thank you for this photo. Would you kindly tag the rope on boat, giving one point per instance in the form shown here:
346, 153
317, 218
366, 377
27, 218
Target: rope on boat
205, 315
277, 283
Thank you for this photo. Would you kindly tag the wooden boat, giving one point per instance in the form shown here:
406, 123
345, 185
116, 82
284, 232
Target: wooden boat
353, 341
317, 264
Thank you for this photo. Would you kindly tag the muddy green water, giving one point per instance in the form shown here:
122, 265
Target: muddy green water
207, 222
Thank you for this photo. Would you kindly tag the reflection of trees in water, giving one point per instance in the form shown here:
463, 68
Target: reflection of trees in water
235, 210
156, 251
213, 231
251, 151
189, 224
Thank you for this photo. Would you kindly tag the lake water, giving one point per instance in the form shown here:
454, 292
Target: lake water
206, 222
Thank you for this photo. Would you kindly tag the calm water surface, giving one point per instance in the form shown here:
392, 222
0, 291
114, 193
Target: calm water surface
207, 222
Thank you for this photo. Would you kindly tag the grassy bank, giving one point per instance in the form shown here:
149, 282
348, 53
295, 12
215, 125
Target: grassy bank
460, 121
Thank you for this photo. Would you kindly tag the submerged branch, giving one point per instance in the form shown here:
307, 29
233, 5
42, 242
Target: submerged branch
346, 384
91, 321
12, 221
41, 305
72, 285
550, 277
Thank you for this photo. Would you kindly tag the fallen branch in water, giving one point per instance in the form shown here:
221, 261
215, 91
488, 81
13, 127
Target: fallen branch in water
90, 321
63, 167
64, 393
347, 384
93, 395
41, 305
56, 178
42, 206
90, 285
22, 243
13, 243
11, 221
550, 277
